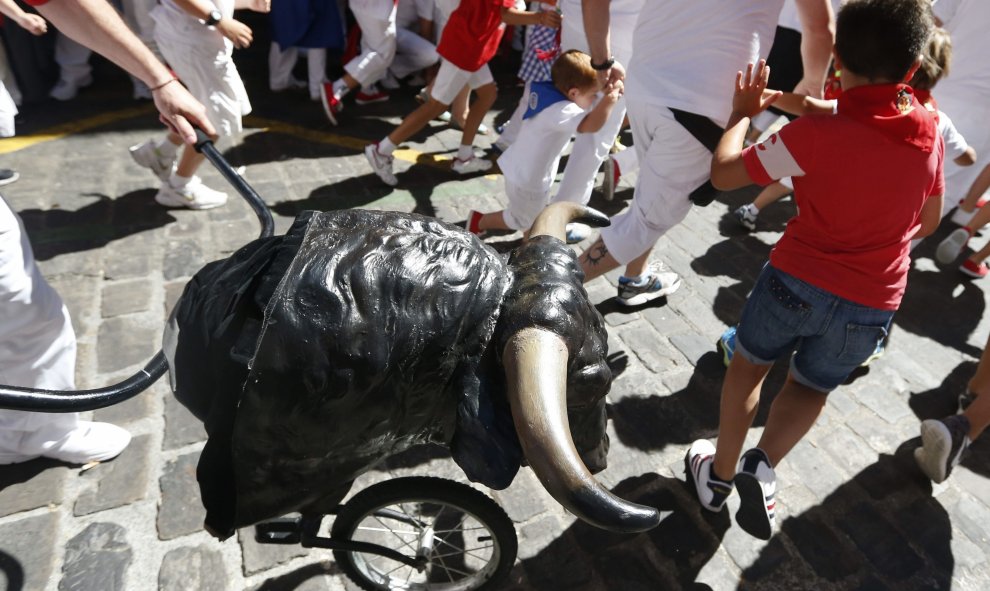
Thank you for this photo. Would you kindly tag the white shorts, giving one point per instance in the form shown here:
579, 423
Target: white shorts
524, 205
212, 78
672, 164
451, 79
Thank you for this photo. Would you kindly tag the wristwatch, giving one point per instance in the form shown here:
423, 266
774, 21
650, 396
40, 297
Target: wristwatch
213, 19
605, 65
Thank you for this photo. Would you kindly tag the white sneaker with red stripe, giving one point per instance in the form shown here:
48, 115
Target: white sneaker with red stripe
757, 484
712, 491
371, 95
331, 104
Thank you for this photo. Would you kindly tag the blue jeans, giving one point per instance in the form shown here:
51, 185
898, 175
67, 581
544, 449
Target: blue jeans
832, 336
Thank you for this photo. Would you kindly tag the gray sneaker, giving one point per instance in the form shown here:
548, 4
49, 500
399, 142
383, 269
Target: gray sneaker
746, 217
948, 250
658, 282
943, 443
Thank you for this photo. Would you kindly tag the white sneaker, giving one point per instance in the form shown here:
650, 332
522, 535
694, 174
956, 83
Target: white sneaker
656, 283
948, 250
195, 195
381, 164
472, 164
712, 492
87, 442
577, 232
757, 486
148, 156
963, 218
66, 91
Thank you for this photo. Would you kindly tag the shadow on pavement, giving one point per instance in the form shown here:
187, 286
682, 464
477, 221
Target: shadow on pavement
881, 530
11, 572
959, 303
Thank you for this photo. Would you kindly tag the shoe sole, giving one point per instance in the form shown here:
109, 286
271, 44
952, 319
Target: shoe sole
10, 179
186, 205
969, 273
721, 348
752, 515
371, 162
139, 160
643, 298
949, 249
326, 105
935, 436
476, 171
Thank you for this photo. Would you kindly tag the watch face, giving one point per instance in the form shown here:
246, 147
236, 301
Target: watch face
214, 17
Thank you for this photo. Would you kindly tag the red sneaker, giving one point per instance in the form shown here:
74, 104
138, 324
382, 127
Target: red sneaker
374, 95
331, 104
974, 270
471, 224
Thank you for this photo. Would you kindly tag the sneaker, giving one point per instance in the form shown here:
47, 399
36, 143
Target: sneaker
194, 195
657, 283
712, 492
389, 82
948, 250
86, 442
292, 83
66, 91
965, 399
499, 146
757, 484
371, 95
577, 232
611, 178
746, 217
471, 224
331, 104
8, 176
943, 442
727, 345
974, 270
877, 353
148, 156
381, 164
472, 164
963, 218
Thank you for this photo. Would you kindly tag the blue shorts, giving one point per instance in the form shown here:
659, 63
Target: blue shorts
831, 335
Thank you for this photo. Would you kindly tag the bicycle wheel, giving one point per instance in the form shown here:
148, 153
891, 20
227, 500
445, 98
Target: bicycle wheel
465, 538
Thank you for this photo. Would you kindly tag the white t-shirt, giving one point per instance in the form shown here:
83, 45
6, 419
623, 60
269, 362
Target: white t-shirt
966, 21
532, 160
955, 143
789, 18
409, 12
175, 25
686, 52
622, 21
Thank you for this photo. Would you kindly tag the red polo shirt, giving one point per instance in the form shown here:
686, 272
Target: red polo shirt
471, 36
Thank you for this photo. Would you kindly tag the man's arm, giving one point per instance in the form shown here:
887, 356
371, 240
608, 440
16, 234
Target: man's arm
817, 39
95, 24
597, 22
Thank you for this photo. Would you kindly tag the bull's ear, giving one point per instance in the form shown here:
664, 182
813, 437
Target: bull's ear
553, 220
536, 377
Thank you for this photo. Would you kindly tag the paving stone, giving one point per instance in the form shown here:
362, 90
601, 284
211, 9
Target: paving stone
814, 469
258, 557
126, 341
826, 550
559, 565
192, 569
118, 482
132, 410
125, 297
877, 397
181, 510
525, 499
847, 449
973, 518
888, 553
653, 350
96, 559
135, 264
30, 485
694, 346
665, 321
182, 259
312, 577
27, 552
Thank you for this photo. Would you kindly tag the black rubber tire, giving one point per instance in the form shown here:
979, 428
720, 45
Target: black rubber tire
439, 491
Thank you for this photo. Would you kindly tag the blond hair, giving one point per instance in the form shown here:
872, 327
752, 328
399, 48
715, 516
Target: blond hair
572, 69
935, 62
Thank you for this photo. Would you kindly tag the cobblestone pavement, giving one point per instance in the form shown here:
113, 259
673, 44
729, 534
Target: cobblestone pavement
854, 512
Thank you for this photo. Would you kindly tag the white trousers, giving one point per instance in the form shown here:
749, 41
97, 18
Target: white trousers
413, 53
281, 61
376, 18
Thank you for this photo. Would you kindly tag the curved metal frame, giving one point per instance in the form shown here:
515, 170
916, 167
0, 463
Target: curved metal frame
41, 400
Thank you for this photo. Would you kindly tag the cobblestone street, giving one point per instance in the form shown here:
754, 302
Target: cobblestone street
854, 512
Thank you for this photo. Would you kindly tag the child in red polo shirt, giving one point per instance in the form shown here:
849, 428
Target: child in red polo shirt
867, 180
469, 40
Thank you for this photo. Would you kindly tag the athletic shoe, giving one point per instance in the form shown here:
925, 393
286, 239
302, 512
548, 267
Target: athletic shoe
948, 250
371, 95
963, 218
757, 484
8, 176
965, 399
711, 491
611, 178
87, 442
65, 90
472, 164
943, 442
471, 224
331, 104
876, 354
499, 146
148, 156
389, 82
194, 195
577, 232
747, 217
656, 284
974, 270
727, 345
292, 84
381, 164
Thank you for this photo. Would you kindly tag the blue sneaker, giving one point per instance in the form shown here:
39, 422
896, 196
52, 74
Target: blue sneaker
655, 283
727, 344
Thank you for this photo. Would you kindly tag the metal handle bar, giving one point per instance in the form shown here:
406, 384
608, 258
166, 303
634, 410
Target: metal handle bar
41, 400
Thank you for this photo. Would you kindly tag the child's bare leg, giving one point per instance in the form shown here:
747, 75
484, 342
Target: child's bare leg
416, 120
740, 399
493, 221
976, 190
459, 106
479, 108
189, 162
980, 219
792, 415
770, 194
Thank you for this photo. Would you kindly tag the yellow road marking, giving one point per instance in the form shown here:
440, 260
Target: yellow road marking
16, 143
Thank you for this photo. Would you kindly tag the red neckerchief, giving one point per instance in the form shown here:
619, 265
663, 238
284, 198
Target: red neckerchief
893, 110
925, 98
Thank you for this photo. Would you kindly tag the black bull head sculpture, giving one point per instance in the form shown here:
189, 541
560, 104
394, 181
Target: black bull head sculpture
312, 356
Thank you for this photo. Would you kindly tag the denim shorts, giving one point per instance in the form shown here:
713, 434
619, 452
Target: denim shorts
831, 336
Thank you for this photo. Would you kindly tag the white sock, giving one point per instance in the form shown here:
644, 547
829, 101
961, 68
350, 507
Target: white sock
177, 182
386, 147
753, 209
166, 148
340, 88
637, 280
465, 152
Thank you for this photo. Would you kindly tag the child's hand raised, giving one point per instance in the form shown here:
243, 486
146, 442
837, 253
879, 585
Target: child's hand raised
32, 23
550, 18
751, 95
614, 90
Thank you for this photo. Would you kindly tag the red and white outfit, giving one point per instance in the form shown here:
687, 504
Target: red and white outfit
861, 178
470, 39
376, 18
